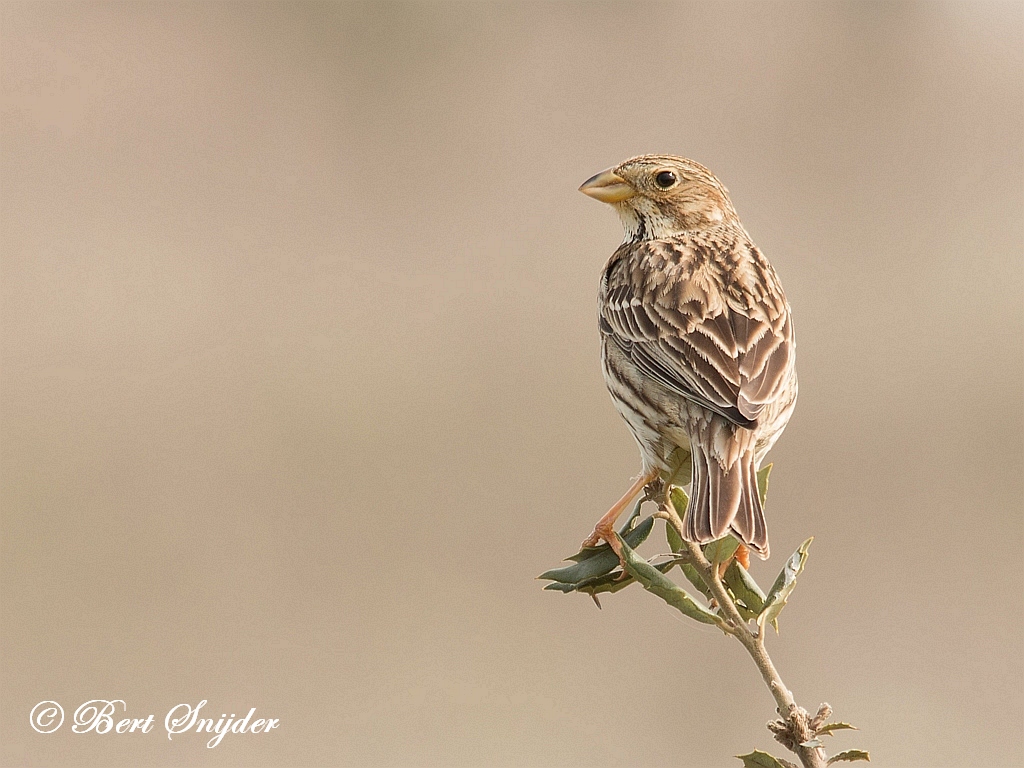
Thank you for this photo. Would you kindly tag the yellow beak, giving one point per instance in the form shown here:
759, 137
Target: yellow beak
608, 187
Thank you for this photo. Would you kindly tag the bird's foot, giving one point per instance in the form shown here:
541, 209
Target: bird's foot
743, 556
604, 531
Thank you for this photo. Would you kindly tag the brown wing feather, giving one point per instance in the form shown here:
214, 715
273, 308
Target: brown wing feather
706, 319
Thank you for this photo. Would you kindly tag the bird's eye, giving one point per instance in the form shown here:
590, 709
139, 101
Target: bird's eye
665, 179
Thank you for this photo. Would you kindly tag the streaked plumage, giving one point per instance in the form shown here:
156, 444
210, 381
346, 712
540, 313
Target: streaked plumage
697, 342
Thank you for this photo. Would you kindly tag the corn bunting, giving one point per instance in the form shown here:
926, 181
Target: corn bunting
697, 346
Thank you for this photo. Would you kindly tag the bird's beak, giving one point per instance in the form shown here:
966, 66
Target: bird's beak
608, 187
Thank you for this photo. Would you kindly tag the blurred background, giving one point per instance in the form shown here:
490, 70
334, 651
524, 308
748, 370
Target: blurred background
301, 389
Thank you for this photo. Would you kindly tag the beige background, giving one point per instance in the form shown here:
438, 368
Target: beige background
301, 387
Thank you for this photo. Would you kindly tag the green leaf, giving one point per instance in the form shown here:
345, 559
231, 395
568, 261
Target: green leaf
560, 587
759, 759
721, 550
611, 582
588, 552
745, 613
675, 541
717, 551
657, 583
849, 756
743, 587
601, 562
762, 482
783, 586
829, 727
694, 578
679, 500
725, 547
683, 463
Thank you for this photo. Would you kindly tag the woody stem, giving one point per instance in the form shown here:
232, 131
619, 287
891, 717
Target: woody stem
753, 642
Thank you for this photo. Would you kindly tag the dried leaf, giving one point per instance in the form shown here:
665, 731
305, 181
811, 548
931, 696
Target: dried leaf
759, 759
657, 583
820, 717
849, 756
829, 727
783, 586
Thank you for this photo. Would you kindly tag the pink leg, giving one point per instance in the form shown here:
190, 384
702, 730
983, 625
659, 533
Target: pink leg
605, 528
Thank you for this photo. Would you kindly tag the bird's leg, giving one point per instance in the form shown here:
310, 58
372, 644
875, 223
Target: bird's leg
605, 528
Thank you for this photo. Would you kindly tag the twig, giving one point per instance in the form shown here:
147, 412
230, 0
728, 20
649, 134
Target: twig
794, 731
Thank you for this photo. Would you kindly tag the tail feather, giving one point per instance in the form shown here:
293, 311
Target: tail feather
698, 512
726, 500
749, 525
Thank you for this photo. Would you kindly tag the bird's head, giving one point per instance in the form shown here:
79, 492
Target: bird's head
658, 196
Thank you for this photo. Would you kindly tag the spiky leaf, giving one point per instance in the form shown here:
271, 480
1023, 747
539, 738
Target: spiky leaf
829, 727
694, 578
749, 595
743, 586
601, 561
762, 482
588, 552
849, 756
783, 586
558, 586
612, 582
759, 759
658, 584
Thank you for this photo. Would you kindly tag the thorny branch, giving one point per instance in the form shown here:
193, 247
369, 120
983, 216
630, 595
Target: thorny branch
736, 604
794, 730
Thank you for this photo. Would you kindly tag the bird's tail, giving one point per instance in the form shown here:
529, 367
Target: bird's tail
724, 501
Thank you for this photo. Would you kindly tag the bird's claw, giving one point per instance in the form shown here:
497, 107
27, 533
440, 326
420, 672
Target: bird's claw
607, 534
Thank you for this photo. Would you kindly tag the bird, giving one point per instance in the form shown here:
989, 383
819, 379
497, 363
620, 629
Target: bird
697, 347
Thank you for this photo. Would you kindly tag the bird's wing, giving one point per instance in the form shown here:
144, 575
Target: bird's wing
724, 345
